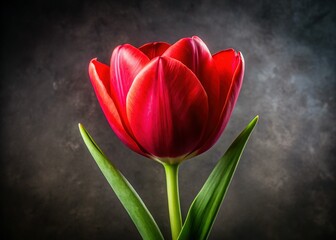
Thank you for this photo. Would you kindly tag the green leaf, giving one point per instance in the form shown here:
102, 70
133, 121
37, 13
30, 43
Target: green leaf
204, 209
129, 198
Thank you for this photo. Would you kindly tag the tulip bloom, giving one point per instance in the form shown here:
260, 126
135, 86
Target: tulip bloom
168, 102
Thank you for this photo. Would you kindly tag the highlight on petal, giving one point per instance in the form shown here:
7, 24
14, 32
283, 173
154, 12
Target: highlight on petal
231, 70
167, 108
126, 62
100, 78
154, 49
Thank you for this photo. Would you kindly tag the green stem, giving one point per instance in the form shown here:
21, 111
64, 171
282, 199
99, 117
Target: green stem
173, 199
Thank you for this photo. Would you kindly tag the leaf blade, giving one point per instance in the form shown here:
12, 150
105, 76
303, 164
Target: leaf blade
205, 207
127, 195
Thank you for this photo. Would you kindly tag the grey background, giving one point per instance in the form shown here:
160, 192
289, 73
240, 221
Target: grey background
284, 187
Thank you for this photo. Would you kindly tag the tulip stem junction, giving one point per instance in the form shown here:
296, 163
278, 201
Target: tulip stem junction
173, 199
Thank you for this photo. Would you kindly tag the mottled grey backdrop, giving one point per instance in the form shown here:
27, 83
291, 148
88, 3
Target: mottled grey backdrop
284, 187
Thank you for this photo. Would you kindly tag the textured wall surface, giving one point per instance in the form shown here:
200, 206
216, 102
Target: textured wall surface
284, 187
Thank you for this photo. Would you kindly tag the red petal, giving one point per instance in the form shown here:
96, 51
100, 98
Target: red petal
196, 56
154, 49
235, 86
226, 63
126, 62
167, 108
193, 53
100, 78
230, 65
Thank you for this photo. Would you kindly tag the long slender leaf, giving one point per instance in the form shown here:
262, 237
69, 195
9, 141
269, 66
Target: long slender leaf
204, 209
132, 202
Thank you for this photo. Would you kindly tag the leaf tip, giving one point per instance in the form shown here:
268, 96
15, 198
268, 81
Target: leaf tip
255, 120
82, 130
81, 127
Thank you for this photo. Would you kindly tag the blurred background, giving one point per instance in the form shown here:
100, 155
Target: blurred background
51, 188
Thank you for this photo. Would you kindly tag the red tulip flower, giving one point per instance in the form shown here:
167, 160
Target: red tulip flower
168, 102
